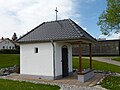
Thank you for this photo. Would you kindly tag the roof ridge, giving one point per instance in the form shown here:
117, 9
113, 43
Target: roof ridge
56, 21
78, 31
88, 34
81, 33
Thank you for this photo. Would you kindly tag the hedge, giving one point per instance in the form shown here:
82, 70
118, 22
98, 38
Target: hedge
9, 51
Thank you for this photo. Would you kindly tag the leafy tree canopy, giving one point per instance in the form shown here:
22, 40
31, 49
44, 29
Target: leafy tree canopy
109, 20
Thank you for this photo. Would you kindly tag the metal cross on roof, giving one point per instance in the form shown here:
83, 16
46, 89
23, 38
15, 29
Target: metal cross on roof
56, 13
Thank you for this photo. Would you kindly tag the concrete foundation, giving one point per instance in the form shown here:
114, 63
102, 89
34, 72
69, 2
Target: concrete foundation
85, 76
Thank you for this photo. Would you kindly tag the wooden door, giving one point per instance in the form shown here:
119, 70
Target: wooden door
64, 61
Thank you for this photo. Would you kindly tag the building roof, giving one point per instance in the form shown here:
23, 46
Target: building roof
57, 31
4, 39
108, 40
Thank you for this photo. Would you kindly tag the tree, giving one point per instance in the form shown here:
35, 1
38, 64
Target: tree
14, 37
109, 20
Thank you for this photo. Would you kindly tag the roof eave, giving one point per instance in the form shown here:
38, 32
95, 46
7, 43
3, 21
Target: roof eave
83, 39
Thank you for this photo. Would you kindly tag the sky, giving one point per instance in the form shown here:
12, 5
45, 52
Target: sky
21, 16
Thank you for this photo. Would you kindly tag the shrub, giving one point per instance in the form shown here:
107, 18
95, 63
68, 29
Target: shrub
9, 51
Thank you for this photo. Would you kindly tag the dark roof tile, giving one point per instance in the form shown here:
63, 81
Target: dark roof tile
56, 30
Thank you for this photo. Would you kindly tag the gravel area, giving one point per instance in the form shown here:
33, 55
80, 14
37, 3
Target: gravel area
65, 87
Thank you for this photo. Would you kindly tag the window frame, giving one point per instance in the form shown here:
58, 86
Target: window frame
36, 50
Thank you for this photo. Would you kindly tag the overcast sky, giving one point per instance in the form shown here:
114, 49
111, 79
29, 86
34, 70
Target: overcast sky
21, 16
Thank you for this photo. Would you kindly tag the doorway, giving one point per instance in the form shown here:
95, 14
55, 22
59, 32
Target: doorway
64, 61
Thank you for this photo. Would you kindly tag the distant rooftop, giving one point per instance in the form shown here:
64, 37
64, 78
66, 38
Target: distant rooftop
2, 39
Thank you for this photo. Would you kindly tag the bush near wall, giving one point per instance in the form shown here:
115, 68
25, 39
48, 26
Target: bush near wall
9, 51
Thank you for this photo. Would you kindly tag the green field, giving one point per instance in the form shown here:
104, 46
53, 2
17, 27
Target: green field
7, 60
96, 65
16, 85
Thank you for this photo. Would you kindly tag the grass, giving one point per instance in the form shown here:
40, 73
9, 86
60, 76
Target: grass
96, 65
116, 59
111, 83
7, 60
17, 85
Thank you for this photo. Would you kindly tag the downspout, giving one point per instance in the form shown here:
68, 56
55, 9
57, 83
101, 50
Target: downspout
53, 58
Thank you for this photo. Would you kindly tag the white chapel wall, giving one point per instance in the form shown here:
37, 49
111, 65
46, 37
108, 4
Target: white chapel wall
58, 57
40, 63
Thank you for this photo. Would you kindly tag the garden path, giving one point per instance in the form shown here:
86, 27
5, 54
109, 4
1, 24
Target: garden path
68, 83
105, 59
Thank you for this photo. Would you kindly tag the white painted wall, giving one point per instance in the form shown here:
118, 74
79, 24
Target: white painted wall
7, 44
40, 63
58, 57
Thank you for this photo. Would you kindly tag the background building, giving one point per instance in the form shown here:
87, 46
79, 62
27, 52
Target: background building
101, 48
6, 43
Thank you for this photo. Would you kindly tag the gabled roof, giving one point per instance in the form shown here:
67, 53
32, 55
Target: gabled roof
57, 31
4, 39
1, 40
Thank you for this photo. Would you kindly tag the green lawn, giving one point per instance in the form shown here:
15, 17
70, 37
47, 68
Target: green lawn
96, 65
111, 83
116, 59
7, 60
16, 85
